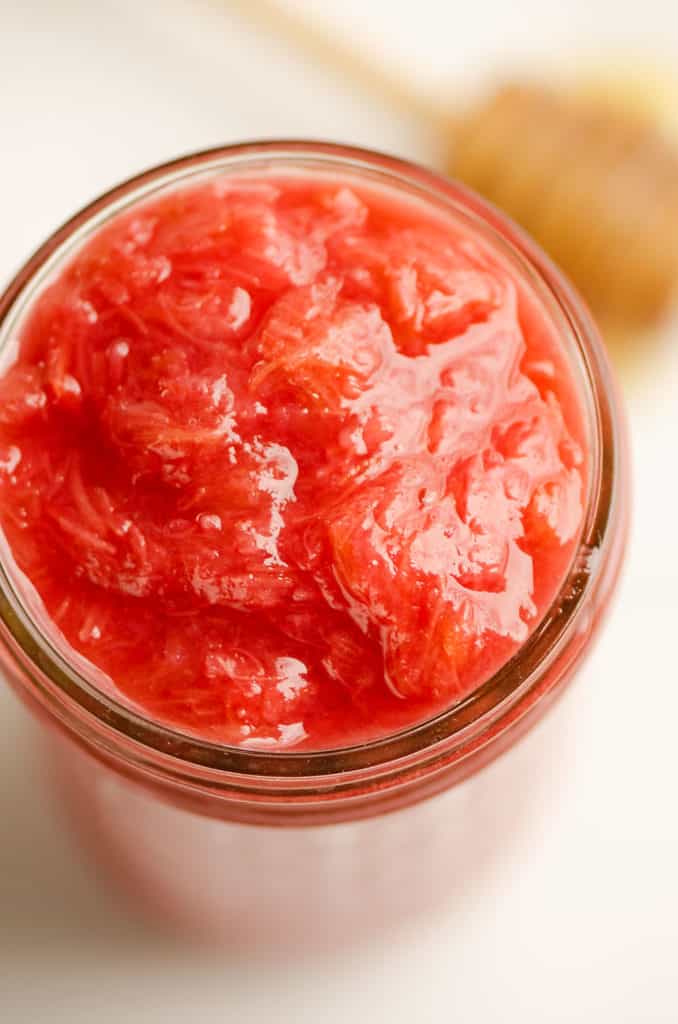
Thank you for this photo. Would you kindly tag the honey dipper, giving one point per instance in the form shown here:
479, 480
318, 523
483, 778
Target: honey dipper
596, 185
594, 182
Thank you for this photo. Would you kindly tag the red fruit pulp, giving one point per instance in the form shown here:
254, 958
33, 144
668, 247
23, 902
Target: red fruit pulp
293, 461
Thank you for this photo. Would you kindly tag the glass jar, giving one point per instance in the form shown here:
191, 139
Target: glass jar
241, 843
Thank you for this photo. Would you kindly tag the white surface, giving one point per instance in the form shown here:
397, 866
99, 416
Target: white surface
578, 919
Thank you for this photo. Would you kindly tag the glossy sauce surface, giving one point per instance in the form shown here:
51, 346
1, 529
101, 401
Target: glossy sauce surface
294, 462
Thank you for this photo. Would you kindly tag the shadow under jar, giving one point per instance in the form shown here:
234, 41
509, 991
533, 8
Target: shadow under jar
254, 841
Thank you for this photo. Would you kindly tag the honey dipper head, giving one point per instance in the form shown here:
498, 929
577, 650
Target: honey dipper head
596, 185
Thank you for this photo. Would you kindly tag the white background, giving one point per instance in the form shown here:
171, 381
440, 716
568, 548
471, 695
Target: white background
577, 919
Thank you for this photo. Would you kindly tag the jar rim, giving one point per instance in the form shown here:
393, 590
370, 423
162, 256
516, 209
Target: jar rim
111, 726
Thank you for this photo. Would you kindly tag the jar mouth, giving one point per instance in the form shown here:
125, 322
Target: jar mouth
104, 721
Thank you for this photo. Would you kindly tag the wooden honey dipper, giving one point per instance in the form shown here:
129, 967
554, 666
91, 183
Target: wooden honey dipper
594, 182
596, 185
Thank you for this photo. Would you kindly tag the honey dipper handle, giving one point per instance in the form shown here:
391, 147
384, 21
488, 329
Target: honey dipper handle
348, 61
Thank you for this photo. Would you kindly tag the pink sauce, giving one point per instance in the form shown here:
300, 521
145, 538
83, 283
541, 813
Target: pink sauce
294, 462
